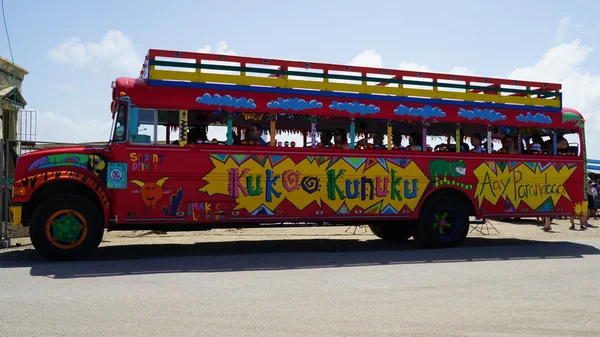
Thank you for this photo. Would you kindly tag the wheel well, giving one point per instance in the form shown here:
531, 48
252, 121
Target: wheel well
455, 194
58, 187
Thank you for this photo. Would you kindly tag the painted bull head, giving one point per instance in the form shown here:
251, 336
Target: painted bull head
151, 192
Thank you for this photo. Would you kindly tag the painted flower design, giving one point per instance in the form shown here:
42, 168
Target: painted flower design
441, 222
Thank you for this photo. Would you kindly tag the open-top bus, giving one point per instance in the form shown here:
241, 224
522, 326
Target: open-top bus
401, 161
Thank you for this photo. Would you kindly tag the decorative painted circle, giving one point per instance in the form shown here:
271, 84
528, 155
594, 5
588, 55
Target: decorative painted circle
66, 229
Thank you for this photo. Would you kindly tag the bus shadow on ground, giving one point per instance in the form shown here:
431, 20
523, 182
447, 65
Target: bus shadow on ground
285, 254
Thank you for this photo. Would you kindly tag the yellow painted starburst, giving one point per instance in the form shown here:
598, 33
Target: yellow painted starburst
333, 181
522, 183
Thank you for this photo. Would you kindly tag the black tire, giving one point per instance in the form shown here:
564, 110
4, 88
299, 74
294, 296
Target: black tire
392, 231
428, 234
82, 221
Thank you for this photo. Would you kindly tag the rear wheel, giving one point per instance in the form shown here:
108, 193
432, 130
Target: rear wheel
393, 231
66, 227
443, 222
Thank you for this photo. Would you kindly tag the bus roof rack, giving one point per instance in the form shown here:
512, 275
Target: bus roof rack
170, 65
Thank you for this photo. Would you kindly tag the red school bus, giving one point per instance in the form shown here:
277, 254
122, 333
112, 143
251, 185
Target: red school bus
426, 187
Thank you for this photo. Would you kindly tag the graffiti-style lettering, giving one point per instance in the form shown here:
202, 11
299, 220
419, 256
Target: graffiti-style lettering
395, 182
381, 189
349, 193
364, 183
332, 186
528, 183
391, 185
407, 189
253, 188
270, 188
235, 184
146, 161
198, 211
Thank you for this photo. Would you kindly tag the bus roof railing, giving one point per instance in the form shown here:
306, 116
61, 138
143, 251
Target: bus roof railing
170, 65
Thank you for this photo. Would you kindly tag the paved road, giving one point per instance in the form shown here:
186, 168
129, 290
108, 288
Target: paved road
307, 288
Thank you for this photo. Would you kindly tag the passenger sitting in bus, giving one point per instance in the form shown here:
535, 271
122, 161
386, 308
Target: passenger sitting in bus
509, 146
254, 135
197, 134
536, 144
377, 141
326, 136
476, 142
561, 143
341, 139
464, 147
415, 142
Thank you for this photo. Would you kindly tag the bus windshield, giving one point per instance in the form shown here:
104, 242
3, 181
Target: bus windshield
118, 128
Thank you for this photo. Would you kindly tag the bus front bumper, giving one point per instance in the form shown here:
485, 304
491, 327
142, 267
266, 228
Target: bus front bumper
14, 215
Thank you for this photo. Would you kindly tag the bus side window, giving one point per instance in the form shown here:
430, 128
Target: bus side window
146, 123
568, 143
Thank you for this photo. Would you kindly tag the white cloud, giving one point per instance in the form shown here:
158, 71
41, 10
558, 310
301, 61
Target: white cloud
413, 66
581, 89
54, 127
563, 25
222, 48
563, 64
368, 58
557, 64
461, 70
115, 49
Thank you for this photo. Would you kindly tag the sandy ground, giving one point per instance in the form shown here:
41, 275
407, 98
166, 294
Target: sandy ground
522, 229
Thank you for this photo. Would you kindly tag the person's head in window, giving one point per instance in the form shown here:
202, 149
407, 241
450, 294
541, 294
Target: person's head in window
476, 142
415, 142
255, 131
326, 136
509, 144
254, 134
378, 140
341, 138
562, 143
415, 139
397, 139
197, 134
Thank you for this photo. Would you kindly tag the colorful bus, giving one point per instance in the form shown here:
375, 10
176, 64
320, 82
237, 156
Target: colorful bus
202, 141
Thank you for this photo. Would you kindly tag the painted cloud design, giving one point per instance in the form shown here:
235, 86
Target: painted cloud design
354, 107
296, 104
537, 118
483, 114
226, 100
425, 112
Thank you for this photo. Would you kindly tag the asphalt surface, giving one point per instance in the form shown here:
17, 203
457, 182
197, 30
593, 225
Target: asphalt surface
308, 288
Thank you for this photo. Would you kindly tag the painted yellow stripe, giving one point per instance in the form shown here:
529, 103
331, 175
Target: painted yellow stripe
349, 87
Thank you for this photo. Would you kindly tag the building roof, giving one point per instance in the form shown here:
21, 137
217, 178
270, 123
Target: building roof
7, 95
5, 61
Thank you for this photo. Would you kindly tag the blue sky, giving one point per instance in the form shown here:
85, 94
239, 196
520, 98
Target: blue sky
75, 49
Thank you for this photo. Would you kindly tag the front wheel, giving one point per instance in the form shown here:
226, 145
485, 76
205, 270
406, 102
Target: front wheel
443, 222
66, 227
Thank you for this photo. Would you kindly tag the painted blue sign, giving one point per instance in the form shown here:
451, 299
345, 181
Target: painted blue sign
117, 176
